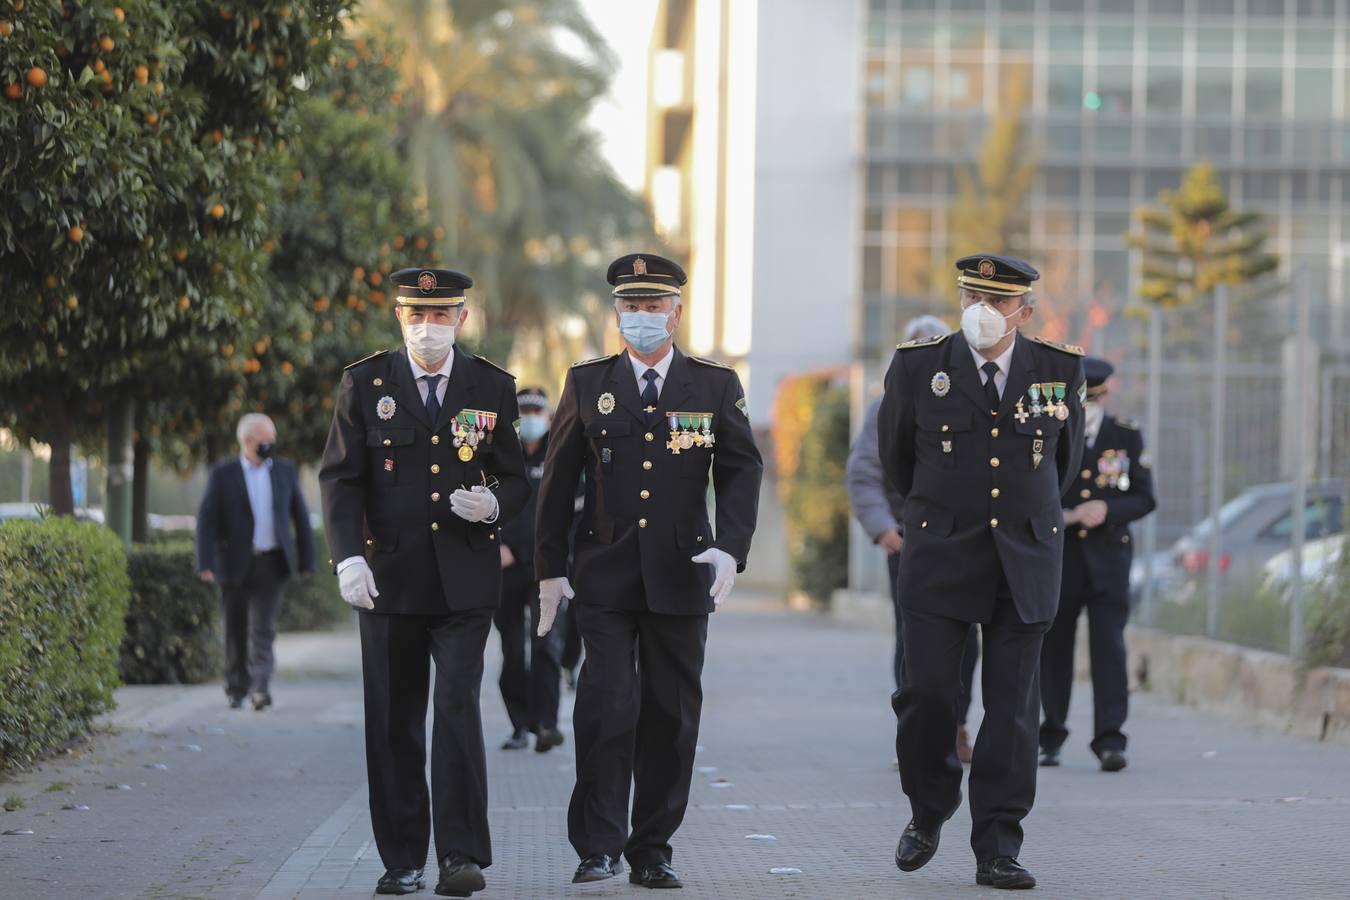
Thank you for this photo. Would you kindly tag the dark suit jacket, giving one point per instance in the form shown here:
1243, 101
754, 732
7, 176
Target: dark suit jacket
978, 505
645, 512
387, 482
225, 522
1098, 560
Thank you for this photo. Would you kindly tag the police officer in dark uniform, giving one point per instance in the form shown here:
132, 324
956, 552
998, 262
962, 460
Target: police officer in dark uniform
421, 465
531, 687
645, 426
981, 432
1114, 488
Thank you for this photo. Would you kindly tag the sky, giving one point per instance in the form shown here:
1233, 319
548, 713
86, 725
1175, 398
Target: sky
622, 121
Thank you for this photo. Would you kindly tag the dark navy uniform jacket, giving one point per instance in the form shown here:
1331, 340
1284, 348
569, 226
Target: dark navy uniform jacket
388, 473
979, 506
645, 512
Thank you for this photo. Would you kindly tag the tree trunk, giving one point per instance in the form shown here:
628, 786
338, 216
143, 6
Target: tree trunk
140, 479
60, 494
117, 502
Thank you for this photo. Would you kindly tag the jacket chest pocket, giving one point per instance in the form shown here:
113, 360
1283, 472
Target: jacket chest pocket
1039, 437
603, 435
387, 450
939, 435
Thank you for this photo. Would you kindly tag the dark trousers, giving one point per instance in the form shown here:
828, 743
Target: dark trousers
250, 611
1107, 617
969, 657
396, 652
639, 697
1003, 768
531, 665
571, 653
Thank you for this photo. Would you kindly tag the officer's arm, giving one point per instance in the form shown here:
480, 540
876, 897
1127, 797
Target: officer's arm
895, 428
736, 470
866, 484
508, 467
208, 524
342, 481
1123, 507
1069, 452
562, 468
304, 532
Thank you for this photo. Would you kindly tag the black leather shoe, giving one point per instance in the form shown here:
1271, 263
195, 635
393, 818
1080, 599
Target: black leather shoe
1113, 760
597, 868
660, 875
261, 701
1005, 873
237, 702
547, 739
400, 881
519, 740
918, 844
460, 877
1049, 757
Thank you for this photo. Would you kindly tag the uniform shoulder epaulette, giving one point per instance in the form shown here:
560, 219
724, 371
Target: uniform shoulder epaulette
492, 365
704, 361
593, 360
376, 355
1073, 349
932, 341
1131, 424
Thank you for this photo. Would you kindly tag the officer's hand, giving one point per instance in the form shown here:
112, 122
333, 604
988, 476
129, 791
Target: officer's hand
508, 558
551, 594
475, 505
1092, 513
357, 584
724, 573
891, 541
1071, 516
207, 576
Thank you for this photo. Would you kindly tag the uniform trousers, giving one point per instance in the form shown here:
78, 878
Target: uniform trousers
1003, 767
639, 698
250, 611
531, 665
396, 653
969, 657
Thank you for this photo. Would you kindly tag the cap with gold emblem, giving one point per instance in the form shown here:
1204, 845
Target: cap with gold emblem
1098, 372
645, 275
430, 287
1000, 275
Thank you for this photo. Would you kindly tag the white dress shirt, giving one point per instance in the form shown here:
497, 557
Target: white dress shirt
441, 385
662, 367
258, 482
1004, 362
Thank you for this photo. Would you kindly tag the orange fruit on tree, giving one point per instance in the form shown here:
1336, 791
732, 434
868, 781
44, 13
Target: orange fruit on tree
72, 302
142, 75
6, 29
106, 44
254, 23
184, 302
358, 273
218, 211
13, 91
180, 254
52, 281
119, 14
37, 77
158, 89
152, 118
227, 350
217, 136
75, 233
99, 66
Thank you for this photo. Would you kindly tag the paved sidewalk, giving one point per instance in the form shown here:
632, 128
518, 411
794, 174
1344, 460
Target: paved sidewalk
796, 747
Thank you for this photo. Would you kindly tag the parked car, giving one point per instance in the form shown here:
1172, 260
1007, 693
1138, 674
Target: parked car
1256, 525
1320, 559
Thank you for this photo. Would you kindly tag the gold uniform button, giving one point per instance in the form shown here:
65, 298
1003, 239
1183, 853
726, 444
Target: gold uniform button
946, 428
378, 381
1054, 529
645, 494
650, 436
435, 438
1082, 532
492, 535
923, 525
1125, 539
370, 542
1038, 433
994, 493
993, 432
435, 526
1085, 493
647, 464
993, 523
388, 442
1087, 473
435, 468
604, 432
994, 462
435, 496
642, 523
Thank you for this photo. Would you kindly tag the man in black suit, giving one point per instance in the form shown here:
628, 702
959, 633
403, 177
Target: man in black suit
245, 544
1113, 489
645, 427
981, 432
531, 687
421, 466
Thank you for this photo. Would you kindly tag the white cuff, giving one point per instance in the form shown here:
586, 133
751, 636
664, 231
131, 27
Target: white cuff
349, 562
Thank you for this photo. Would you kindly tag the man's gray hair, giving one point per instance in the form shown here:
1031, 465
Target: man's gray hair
925, 326
249, 422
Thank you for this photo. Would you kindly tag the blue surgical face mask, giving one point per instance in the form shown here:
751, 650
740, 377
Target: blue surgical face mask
644, 331
533, 427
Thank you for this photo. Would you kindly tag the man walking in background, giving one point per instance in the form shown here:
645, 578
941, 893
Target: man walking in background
245, 545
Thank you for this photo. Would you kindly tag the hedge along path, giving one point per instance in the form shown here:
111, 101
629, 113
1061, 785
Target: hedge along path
64, 592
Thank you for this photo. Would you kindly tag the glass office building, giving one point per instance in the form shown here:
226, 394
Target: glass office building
1122, 97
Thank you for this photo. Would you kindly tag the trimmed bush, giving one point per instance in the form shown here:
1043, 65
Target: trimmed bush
171, 630
63, 595
1327, 632
312, 602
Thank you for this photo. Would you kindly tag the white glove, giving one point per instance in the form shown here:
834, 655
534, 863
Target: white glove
476, 505
724, 573
551, 594
357, 583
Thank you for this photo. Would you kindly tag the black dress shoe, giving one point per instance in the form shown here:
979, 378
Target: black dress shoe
1005, 873
261, 701
1112, 760
1050, 757
918, 843
597, 868
237, 702
519, 740
460, 877
547, 739
400, 881
660, 875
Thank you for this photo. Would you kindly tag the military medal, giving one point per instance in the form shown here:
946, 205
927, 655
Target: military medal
707, 430
605, 404
1061, 408
686, 435
941, 384
1036, 447
946, 446
1123, 481
386, 408
472, 428
1034, 392
465, 453
1021, 415
673, 445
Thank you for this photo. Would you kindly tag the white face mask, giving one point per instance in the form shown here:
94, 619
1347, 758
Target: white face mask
984, 326
429, 342
1093, 413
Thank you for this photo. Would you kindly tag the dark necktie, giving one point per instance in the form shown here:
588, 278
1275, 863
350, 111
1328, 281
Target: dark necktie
990, 369
649, 397
433, 402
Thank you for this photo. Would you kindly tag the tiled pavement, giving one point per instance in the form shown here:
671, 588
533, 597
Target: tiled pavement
796, 746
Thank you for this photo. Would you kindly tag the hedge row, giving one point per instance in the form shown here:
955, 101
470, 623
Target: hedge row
172, 635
